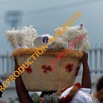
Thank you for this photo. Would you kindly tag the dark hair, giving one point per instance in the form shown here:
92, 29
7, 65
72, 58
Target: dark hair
45, 39
0, 91
99, 84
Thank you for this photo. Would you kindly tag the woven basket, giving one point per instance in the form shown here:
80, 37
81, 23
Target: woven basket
43, 75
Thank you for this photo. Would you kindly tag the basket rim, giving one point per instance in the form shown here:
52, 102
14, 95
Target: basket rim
29, 51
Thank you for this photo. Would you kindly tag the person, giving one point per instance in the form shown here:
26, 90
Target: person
0, 91
82, 95
99, 89
1, 94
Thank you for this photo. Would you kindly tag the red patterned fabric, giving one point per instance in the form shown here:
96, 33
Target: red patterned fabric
69, 67
70, 96
46, 68
29, 69
78, 85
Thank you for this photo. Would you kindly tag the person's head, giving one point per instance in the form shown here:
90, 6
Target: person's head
0, 91
99, 89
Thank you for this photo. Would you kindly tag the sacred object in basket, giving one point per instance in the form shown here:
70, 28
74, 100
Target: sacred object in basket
41, 75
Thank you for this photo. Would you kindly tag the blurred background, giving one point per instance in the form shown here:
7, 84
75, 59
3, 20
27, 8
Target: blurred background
46, 15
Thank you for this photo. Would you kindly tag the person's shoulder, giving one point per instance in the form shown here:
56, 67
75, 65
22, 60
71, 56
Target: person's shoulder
86, 90
83, 96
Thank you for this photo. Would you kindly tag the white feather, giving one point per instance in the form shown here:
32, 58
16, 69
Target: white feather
70, 35
11, 36
23, 37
